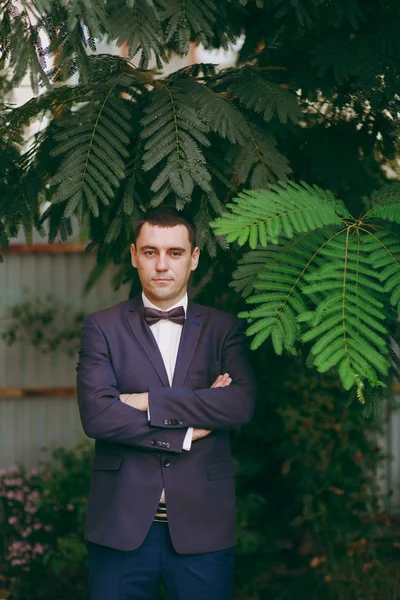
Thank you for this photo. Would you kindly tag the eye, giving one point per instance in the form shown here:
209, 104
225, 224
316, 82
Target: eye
176, 254
149, 252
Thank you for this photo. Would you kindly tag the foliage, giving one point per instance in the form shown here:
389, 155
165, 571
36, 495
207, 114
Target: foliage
124, 138
45, 323
311, 518
42, 514
332, 279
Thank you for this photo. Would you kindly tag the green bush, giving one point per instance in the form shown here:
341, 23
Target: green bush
42, 515
311, 519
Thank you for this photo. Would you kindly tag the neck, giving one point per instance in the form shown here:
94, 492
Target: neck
167, 303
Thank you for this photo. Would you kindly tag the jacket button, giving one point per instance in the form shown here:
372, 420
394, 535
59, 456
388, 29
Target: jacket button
180, 422
166, 422
159, 444
153, 442
166, 463
167, 444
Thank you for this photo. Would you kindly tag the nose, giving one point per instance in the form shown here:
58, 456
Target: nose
161, 264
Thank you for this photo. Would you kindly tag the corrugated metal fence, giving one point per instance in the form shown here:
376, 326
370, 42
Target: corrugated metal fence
29, 420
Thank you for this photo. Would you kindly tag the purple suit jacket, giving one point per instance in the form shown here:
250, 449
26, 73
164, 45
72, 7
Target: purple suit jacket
134, 458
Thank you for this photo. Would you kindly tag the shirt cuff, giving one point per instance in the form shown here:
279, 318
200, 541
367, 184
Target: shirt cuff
148, 413
187, 442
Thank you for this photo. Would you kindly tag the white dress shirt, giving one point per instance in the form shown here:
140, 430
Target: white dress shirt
168, 335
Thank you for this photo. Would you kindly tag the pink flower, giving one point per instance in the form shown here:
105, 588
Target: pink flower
12, 520
16, 482
38, 549
30, 509
48, 528
37, 526
70, 507
27, 532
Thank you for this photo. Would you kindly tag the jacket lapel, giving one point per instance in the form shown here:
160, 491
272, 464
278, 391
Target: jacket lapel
189, 338
141, 331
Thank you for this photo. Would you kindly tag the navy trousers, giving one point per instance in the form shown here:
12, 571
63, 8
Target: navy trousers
136, 575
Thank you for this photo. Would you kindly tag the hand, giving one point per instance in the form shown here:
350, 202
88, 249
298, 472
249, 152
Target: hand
138, 401
198, 434
221, 381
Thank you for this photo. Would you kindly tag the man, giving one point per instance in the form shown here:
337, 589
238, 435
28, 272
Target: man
161, 382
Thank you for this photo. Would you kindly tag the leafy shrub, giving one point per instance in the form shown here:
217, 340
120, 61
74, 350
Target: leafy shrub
311, 519
41, 536
47, 323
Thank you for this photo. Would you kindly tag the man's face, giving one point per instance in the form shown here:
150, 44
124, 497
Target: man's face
164, 259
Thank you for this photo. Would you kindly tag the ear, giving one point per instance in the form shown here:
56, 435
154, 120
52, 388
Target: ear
195, 258
133, 256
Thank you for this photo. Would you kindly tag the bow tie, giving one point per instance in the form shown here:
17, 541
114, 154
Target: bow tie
176, 315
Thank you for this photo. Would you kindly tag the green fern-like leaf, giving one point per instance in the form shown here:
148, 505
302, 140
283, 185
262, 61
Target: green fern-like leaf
249, 267
278, 284
258, 163
174, 136
385, 204
257, 93
187, 20
385, 257
263, 216
93, 142
23, 46
337, 289
219, 113
348, 330
138, 25
92, 14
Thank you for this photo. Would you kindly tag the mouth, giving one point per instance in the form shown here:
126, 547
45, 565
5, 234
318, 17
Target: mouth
162, 279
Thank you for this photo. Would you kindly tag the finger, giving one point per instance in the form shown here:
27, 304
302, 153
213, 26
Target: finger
226, 383
217, 381
225, 377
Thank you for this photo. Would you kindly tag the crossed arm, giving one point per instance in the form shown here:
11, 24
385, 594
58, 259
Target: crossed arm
141, 402
105, 417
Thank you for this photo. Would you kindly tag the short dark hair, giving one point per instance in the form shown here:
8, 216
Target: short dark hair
166, 216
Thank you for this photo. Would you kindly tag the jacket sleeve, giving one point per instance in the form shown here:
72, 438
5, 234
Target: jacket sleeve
103, 415
211, 408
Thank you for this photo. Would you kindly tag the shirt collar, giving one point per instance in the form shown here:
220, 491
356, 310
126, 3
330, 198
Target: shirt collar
183, 302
